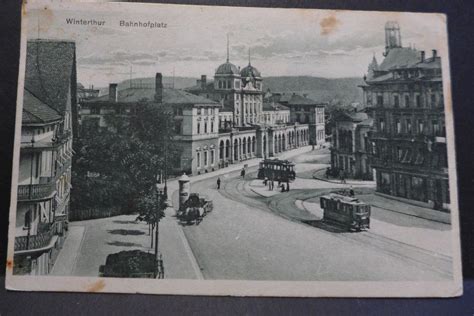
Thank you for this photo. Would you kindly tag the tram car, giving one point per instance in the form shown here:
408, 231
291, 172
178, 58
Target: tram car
194, 209
277, 170
346, 211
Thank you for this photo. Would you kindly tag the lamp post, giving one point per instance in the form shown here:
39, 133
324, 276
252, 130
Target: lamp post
160, 195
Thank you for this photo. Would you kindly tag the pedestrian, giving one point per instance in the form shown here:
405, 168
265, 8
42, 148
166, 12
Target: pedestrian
327, 172
218, 183
287, 186
242, 173
351, 192
344, 177
272, 185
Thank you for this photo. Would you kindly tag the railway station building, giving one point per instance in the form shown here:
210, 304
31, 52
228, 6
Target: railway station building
223, 121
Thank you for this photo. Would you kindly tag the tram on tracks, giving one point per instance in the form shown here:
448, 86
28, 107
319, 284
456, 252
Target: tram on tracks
346, 211
277, 170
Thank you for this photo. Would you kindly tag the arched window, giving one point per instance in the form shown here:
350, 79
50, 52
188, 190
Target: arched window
199, 128
205, 127
221, 150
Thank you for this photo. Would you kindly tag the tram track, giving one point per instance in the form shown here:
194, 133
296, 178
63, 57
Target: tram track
238, 190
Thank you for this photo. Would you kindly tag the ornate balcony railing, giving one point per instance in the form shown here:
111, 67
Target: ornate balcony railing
37, 241
35, 191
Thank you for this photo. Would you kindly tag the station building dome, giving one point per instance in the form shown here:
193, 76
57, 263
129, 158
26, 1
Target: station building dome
227, 68
250, 71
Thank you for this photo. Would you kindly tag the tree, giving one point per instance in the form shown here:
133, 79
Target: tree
117, 165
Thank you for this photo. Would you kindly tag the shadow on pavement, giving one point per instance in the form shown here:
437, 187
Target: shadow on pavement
123, 244
330, 227
126, 232
124, 222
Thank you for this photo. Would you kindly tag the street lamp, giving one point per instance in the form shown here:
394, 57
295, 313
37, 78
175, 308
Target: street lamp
160, 195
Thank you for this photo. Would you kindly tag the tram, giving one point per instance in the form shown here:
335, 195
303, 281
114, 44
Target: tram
346, 211
277, 170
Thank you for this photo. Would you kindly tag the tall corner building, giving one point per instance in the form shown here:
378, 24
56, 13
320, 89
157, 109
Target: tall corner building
408, 140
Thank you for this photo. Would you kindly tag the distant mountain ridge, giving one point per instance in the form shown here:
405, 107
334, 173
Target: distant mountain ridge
343, 90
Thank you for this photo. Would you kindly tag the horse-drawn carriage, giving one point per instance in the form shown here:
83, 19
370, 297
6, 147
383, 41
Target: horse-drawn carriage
194, 209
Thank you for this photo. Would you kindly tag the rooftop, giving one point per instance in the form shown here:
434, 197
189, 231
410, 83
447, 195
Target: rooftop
170, 96
51, 71
36, 111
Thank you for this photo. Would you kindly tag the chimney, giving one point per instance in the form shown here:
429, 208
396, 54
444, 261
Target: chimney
435, 53
203, 82
159, 87
422, 56
113, 92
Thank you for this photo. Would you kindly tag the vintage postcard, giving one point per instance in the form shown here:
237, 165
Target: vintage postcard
206, 150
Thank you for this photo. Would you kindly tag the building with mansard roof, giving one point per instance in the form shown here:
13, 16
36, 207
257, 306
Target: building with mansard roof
44, 178
408, 140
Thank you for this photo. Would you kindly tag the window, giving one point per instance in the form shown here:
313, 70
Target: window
198, 160
398, 126
407, 101
205, 127
408, 126
380, 100
420, 126
199, 128
212, 127
396, 101
177, 127
435, 128
212, 157
382, 125
205, 159
433, 100
199, 111
418, 101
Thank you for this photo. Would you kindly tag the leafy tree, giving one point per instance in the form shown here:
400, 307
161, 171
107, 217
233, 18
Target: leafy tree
118, 165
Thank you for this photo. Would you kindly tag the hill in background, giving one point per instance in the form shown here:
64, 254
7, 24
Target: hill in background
339, 90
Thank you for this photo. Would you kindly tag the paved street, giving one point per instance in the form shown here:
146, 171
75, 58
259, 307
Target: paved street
256, 234
244, 239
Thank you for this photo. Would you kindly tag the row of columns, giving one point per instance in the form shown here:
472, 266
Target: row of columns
243, 148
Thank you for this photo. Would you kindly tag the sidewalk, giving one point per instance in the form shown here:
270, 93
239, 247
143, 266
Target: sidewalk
406, 208
320, 175
66, 260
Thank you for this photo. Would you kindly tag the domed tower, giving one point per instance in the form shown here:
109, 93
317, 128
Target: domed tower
252, 94
227, 83
392, 36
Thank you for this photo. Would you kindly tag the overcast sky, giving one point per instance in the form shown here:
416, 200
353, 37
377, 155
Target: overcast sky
282, 42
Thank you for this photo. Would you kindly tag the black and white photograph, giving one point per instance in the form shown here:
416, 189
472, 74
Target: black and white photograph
198, 150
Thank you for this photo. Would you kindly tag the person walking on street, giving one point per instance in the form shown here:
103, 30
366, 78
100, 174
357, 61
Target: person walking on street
351, 192
218, 183
242, 173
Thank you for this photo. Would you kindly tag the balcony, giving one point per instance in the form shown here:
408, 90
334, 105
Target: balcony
42, 145
35, 191
36, 242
